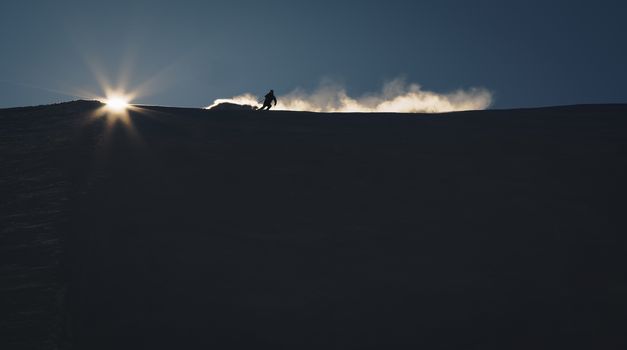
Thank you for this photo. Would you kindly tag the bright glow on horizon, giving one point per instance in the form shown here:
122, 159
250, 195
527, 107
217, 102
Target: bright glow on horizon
118, 97
117, 103
117, 107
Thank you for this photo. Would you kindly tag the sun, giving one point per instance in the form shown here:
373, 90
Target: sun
116, 107
117, 103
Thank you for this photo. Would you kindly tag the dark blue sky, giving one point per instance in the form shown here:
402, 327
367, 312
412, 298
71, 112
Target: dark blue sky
528, 53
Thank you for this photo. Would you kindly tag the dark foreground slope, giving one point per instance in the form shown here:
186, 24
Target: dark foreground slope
277, 230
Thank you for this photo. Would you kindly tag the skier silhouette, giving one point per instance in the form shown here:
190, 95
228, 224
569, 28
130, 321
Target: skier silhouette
267, 102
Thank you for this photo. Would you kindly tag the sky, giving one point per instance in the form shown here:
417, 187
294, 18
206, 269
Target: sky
190, 53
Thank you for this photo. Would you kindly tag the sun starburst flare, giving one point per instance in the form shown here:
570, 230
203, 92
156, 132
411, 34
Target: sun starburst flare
117, 110
117, 103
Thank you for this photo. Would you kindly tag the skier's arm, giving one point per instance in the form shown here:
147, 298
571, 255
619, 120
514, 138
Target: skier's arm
274, 99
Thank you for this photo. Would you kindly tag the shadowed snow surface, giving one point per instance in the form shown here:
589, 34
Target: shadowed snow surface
238, 229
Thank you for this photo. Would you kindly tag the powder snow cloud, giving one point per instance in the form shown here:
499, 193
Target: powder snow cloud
395, 96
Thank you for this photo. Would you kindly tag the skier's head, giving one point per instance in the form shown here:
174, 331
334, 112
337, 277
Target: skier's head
272, 92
